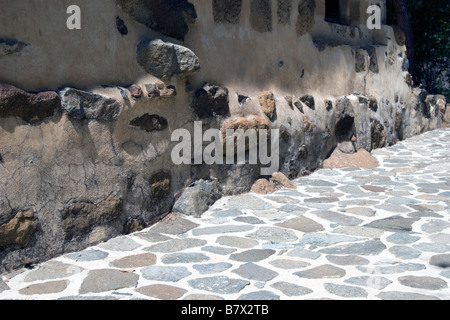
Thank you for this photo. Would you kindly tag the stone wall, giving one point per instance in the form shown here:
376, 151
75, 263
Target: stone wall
86, 116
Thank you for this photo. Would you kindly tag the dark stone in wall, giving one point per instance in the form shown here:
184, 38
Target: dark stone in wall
360, 65
227, 11
305, 19
150, 123
379, 136
261, 15
211, 100
160, 184
284, 11
169, 17
373, 66
309, 101
32, 108
11, 46
345, 119
121, 27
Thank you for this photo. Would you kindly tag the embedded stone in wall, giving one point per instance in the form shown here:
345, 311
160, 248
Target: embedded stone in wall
360, 64
150, 123
379, 136
160, 184
121, 27
168, 92
11, 46
32, 108
210, 101
345, 117
308, 126
263, 186
169, 17
328, 105
284, 11
399, 35
373, 65
261, 15
19, 229
165, 60
152, 90
373, 104
267, 102
305, 19
80, 217
84, 105
227, 11
309, 101
135, 91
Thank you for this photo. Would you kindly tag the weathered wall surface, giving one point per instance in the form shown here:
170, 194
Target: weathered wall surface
86, 116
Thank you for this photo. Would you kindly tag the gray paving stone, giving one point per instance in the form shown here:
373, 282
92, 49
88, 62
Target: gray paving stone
289, 264
322, 272
273, 234
107, 280
227, 213
402, 238
338, 218
427, 283
176, 245
221, 229
304, 253
400, 268
219, 284
290, 289
259, 296
445, 274
283, 199
424, 214
315, 183
358, 231
371, 247
322, 200
393, 224
120, 244
52, 270
441, 237
375, 282
202, 297
291, 208
360, 211
253, 255
237, 242
219, 250
435, 226
407, 296
249, 220
165, 273
45, 288
212, 268
87, 255
302, 224
162, 292
432, 247
247, 202
184, 258
358, 202
350, 260
252, 271
345, 291
441, 261
401, 200
173, 225
153, 237
325, 239
403, 252
134, 261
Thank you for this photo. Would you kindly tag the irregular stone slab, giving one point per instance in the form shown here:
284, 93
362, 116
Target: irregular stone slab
274, 234
290, 289
374, 188
280, 199
252, 271
52, 270
325, 271
248, 202
338, 218
325, 239
289, 264
378, 283
237, 242
162, 292
401, 200
259, 296
197, 199
19, 229
151, 123
184, 258
350, 260
345, 291
254, 255
134, 261
212, 268
393, 224
227, 213
45, 288
403, 252
302, 224
221, 229
174, 225
107, 280
435, 226
168, 274
249, 220
400, 268
321, 200
433, 247
360, 232
426, 283
87, 255
176, 245
291, 208
404, 296
402, 238
315, 183
219, 285
361, 211
153, 237
219, 250
120, 244
304, 253
165, 60
441, 261
371, 247
393, 208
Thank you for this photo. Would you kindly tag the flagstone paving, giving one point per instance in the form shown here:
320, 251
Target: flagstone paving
351, 233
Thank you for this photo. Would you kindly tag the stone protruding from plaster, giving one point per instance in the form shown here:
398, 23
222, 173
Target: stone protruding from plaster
150, 123
263, 186
160, 184
227, 11
11, 47
261, 15
82, 105
32, 108
379, 135
284, 11
305, 19
267, 102
19, 229
345, 118
169, 17
165, 60
211, 100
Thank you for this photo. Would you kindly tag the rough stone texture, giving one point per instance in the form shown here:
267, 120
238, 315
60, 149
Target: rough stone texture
31, 108
360, 64
279, 180
197, 199
305, 19
82, 105
174, 225
360, 159
345, 118
379, 135
261, 15
150, 123
171, 18
107, 280
267, 102
227, 11
263, 186
160, 184
19, 229
370, 247
162, 292
309, 101
165, 60
211, 100
284, 11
